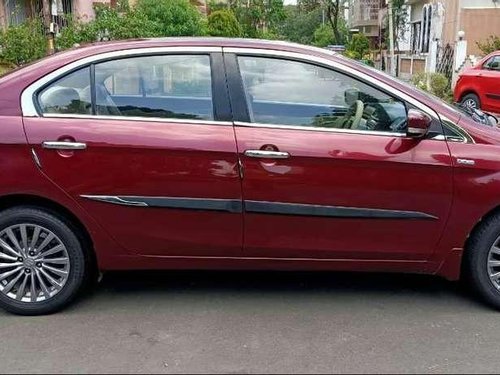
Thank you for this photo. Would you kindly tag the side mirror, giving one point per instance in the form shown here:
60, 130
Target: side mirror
418, 123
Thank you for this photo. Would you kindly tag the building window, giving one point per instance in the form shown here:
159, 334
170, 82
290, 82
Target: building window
426, 26
421, 31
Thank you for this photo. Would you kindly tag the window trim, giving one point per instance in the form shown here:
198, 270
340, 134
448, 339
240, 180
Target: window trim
29, 97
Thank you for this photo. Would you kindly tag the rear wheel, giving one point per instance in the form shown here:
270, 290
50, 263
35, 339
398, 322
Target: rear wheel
482, 261
42, 263
471, 101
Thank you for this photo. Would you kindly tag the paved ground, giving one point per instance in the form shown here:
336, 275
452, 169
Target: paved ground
259, 322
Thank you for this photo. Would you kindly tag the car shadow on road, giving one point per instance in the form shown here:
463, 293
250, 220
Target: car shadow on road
248, 284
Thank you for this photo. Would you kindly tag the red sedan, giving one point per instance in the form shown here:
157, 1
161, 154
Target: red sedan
479, 87
234, 154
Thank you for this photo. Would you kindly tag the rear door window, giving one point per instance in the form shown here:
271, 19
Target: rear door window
68, 95
169, 86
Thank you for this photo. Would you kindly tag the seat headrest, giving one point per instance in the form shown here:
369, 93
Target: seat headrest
58, 99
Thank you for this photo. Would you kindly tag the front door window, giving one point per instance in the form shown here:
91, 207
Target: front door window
294, 93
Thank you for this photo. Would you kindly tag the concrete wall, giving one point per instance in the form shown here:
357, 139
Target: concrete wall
83, 8
478, 25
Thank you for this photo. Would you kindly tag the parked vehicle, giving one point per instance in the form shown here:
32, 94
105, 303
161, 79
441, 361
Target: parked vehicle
235, 154
479, 87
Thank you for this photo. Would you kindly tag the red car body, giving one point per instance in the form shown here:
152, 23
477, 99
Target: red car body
482, 81
262, 214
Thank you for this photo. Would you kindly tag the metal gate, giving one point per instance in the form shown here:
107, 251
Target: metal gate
445, 61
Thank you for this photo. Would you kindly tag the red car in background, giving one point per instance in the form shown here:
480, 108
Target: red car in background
234, 154
479, 87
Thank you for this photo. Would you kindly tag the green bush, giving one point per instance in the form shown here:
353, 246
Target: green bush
435, 83
76, 33
223, 23
323, 36
358, 47
172, 17
23, 43
110, 23
490, 45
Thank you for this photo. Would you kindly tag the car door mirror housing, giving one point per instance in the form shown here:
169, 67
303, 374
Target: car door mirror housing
418, 123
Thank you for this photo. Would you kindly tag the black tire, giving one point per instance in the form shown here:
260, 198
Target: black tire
476, 273
78, 261
471, 98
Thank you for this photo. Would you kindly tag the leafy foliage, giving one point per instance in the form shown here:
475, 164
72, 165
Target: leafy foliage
172, 17
299, 25
435, 83
223, 23
358, 47
109, 23
323, 36
23, 43
490, 45
258, 18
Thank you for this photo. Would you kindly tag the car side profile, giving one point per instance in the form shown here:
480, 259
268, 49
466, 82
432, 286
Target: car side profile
479, 87
207, 153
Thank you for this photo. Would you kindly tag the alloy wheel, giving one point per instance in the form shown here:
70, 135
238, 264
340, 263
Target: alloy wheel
471, 104
34, 263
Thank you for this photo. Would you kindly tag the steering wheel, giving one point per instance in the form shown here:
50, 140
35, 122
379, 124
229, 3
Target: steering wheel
353, 116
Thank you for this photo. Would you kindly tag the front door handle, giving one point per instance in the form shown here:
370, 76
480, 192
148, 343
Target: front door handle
61, 145
267, 154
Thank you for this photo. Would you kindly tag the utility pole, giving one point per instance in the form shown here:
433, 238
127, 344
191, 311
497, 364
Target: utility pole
391, 38
47, 23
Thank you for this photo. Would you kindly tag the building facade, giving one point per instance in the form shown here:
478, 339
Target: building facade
443, 33
364, 18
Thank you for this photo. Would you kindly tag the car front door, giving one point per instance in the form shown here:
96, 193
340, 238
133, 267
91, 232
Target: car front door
144, 143
328, 170
490, 83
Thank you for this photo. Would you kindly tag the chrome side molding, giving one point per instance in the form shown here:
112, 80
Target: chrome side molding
115, 200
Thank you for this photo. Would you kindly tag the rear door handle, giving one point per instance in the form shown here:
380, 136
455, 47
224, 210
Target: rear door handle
267, 154
58, 145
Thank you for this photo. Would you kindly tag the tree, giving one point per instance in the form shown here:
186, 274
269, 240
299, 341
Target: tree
299, 26
358, 47
258, 17
333, 11
47, 19
490, 45
400, 22
172, 17
323, 36
223, 23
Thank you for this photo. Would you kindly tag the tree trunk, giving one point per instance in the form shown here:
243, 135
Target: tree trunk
47, 20
333, 11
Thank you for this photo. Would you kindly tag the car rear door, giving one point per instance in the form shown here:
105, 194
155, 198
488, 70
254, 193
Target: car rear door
143, 141
489, 79
328, 171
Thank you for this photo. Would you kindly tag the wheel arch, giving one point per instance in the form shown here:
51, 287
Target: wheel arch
16, 200
467, 92
493, 212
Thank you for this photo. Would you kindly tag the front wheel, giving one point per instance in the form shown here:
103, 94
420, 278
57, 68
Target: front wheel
471, 101
482, 261
42, 263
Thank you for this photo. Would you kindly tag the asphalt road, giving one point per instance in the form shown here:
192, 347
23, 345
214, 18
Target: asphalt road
259, 322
